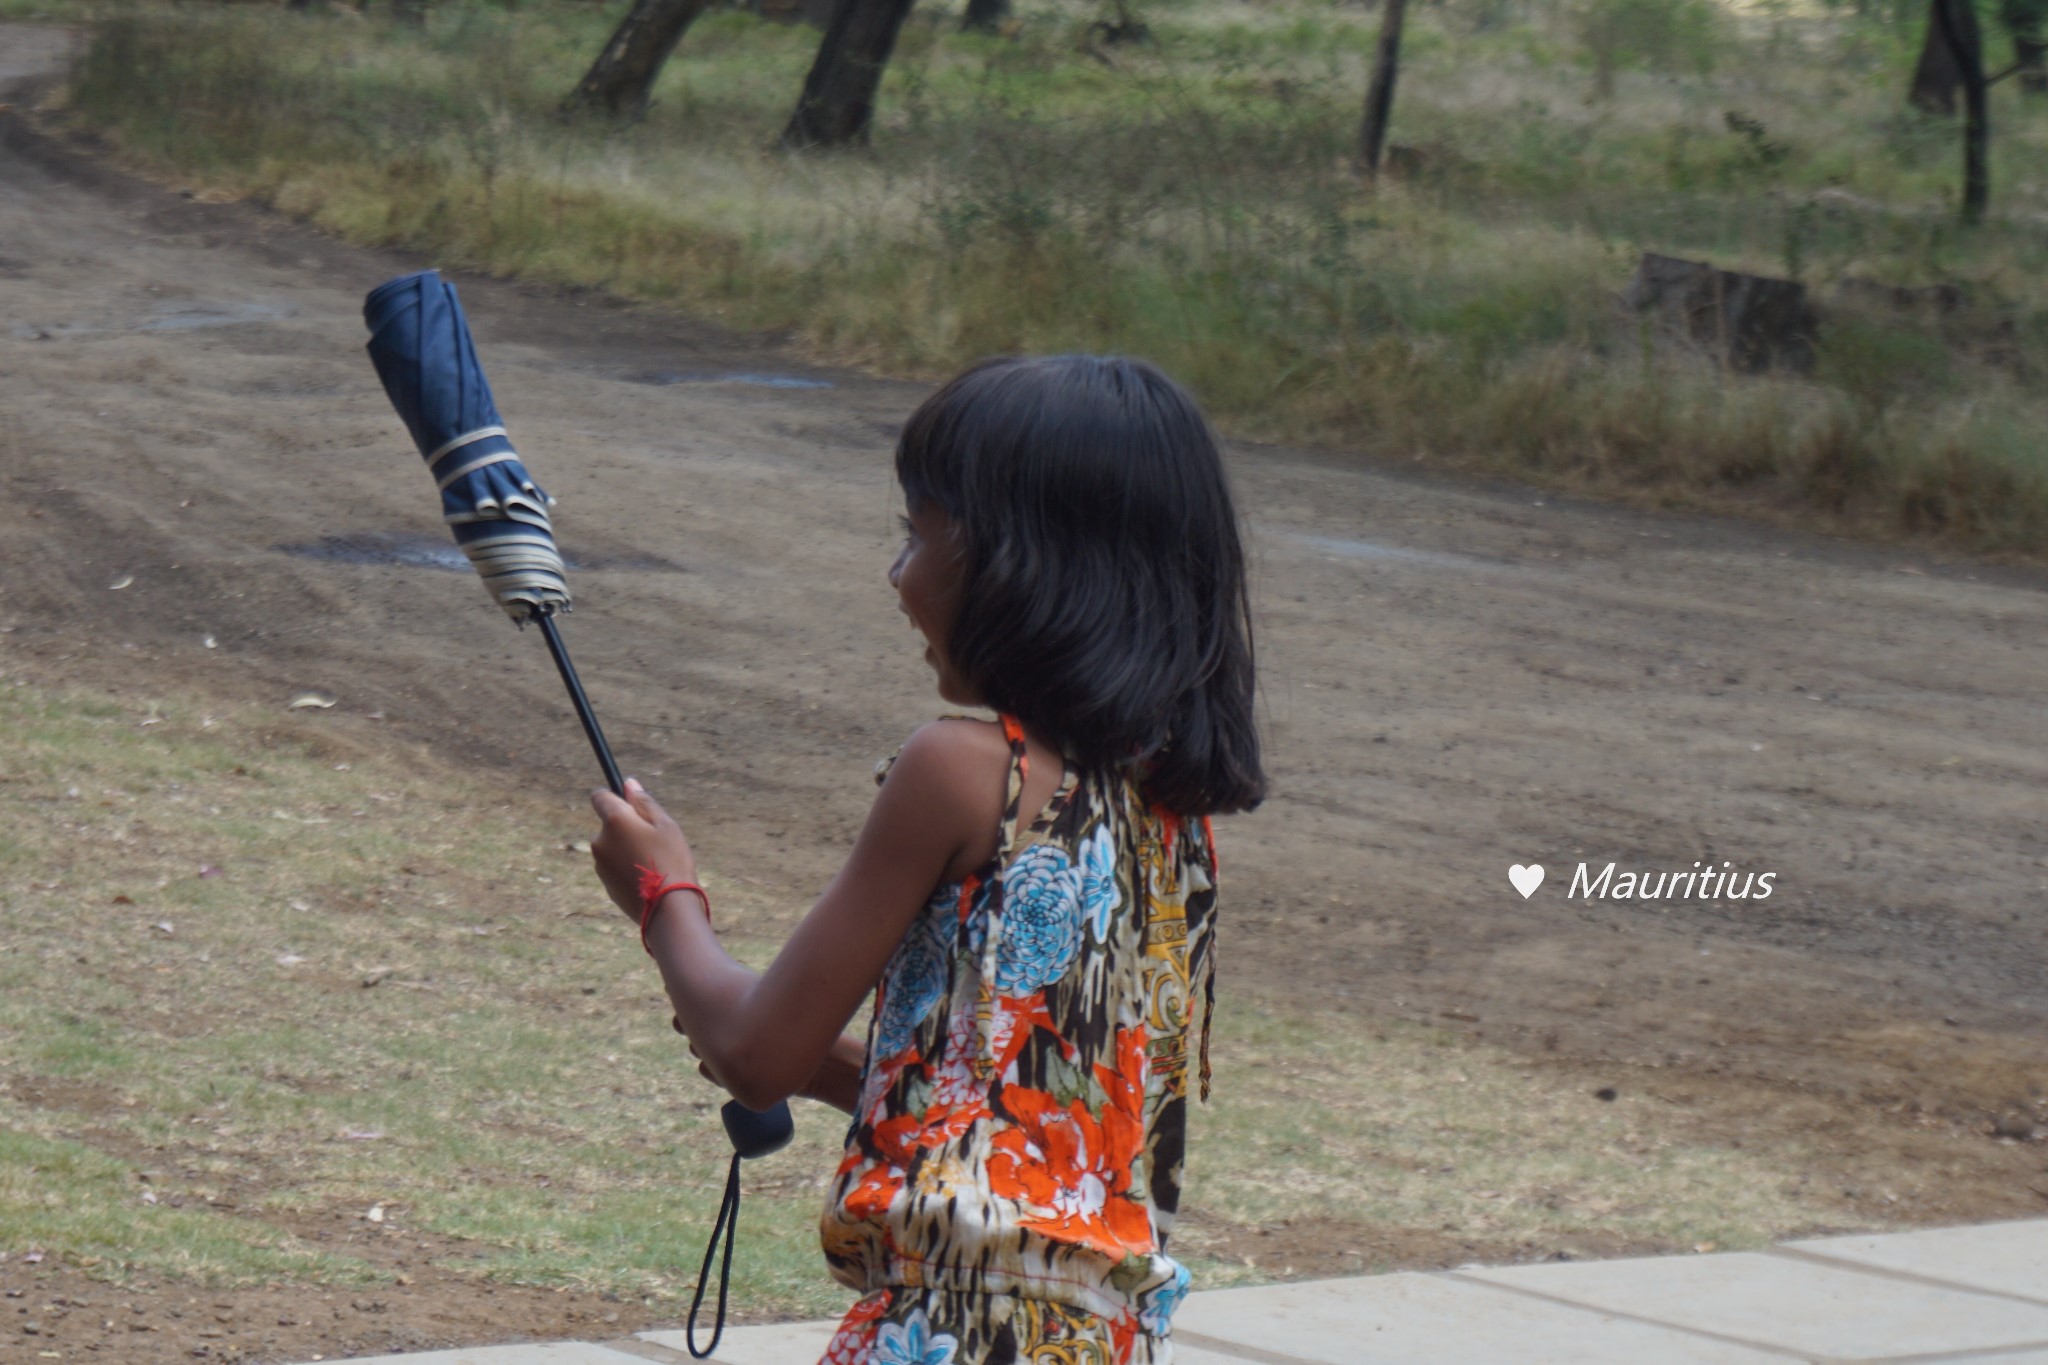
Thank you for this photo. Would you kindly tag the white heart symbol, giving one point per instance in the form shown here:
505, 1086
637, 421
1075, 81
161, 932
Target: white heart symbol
1526, 879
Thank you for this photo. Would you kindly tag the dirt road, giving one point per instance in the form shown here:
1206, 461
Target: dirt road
1457, 677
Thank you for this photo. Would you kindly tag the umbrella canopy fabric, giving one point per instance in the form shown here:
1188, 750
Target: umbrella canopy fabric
420, 344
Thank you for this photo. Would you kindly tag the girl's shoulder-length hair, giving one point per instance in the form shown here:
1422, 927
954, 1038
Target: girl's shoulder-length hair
1104, 600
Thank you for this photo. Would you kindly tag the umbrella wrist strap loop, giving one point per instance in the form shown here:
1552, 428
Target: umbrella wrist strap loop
727, 1226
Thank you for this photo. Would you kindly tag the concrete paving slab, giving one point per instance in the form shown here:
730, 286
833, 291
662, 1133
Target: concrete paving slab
543, 1353
1790, 1304
1432, 1320
2010, 1258
1185, 1354
782, 1343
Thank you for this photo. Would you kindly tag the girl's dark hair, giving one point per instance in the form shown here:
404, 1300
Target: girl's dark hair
1104, 585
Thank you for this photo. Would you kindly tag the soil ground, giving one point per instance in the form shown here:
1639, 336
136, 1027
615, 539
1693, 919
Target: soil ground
204, 487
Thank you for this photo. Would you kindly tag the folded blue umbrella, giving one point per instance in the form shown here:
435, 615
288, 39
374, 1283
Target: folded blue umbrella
420, 344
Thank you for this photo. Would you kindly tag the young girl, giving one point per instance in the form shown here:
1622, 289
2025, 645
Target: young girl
1032, 901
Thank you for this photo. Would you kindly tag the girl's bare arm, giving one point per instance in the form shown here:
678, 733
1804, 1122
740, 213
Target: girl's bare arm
769, 1037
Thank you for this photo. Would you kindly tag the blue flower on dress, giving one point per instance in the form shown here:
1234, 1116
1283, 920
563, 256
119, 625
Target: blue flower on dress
1101, 897
913, 1342
1156, 1305
1041, 920
916, 979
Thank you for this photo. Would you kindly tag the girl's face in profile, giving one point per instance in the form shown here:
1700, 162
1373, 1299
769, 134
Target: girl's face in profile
927, 576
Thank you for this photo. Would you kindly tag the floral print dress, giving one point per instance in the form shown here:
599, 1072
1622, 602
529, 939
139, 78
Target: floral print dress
1014, 1166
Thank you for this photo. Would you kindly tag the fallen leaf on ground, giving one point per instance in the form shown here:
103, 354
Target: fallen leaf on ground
311, 701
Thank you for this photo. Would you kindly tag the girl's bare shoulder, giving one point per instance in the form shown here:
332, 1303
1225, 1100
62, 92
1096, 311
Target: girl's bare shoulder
947, 780
953, 756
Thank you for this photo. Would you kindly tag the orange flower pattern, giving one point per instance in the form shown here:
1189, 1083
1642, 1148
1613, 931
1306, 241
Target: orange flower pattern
1013, 1168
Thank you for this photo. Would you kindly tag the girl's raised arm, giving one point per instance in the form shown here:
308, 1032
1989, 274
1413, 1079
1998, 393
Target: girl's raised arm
762, 1037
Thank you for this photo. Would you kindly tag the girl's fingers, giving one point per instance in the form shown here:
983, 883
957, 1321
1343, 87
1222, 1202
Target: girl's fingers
611, 809
643, 802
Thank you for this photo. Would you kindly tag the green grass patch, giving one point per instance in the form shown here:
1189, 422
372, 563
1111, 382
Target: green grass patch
1402, 1127
192, 908
68, 1196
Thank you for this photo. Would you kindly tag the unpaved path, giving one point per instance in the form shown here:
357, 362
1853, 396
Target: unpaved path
1458, 677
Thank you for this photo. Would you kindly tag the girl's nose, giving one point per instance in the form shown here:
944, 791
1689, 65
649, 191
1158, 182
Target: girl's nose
896, 566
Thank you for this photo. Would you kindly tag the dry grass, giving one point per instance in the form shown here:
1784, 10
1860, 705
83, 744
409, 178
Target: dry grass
1191, 201
259, 969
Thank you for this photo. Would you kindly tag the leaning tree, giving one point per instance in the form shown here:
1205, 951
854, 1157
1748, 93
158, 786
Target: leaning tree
837, 105
620, 83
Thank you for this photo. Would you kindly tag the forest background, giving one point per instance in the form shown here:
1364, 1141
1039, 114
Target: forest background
1180, 179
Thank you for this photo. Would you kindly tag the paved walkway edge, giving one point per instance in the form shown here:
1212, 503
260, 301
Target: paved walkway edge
1976, 1294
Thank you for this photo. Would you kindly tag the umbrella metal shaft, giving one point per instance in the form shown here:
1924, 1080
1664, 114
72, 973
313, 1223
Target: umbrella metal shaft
584, 712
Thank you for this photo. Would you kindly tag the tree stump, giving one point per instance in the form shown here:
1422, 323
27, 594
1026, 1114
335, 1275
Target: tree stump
1749, 323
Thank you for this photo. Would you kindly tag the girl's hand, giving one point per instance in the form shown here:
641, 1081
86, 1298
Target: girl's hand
703, 1069
836, 1082
637, 833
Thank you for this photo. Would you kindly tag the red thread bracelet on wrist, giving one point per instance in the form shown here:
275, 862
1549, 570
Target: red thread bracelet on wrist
653, 886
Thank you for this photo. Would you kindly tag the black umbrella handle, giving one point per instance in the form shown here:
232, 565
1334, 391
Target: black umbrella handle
583, 711
753, 1133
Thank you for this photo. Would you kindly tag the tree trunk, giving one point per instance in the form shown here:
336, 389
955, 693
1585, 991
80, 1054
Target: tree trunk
2027, 21
985, 16
620, 83
838, 99
1958, 22
1936, 77
1379, 93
